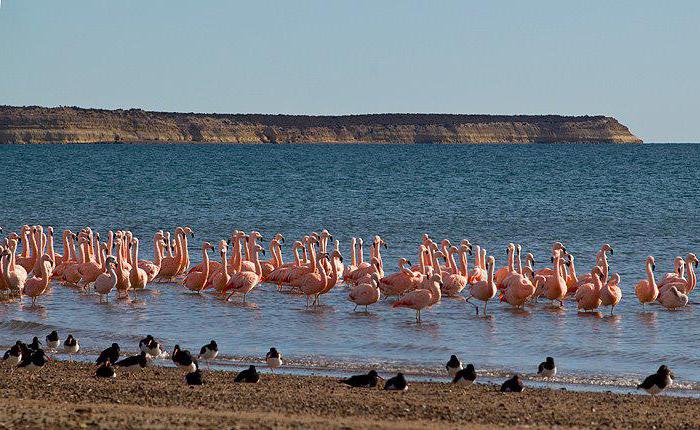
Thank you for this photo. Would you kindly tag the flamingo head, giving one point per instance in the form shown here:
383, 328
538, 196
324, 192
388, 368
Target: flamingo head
652, 262
607, 248
558, 246
279, 238
258, 248
692, 259
207, 245
338, 255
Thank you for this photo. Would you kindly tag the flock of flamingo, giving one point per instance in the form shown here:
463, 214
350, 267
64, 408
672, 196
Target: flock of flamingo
442, 270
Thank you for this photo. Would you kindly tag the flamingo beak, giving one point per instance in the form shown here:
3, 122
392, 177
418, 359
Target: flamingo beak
262, 239
653, 267
263, 251
281, 239
409, 263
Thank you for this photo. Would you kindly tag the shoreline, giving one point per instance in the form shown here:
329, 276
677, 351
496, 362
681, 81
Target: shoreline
66, 395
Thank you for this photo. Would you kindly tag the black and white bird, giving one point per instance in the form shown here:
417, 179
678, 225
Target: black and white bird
143, 343
111, 354
273, 359
513, 385
183, 359
453, 366
34, 361
250, 375
105, 370
466, 376
397, 383
547, 368
153, 348
52, 340
13, 356
135, 362
71, 346
209, 351
194, 378
370, 380
658, 382
35, 345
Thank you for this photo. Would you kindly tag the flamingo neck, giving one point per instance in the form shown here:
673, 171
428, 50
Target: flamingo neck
464, 263
650, 276
353, 252
520, 263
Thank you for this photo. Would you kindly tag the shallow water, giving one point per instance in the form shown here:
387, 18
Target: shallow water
641, 199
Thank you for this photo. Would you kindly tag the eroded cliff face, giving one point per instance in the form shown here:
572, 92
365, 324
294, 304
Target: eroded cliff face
76, 125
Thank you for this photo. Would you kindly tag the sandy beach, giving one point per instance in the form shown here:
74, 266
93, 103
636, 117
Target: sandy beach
65, 395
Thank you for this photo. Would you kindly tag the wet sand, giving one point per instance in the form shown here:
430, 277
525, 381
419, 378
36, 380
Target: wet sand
65, 395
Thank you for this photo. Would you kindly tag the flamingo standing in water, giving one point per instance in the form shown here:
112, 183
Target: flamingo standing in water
37, 284
312, 283
153, 267
478, 273
400, 282
455, 282
365, 294
519, 289
349, 268
611, 294
243, 282
197, 280
15, 275
137, 276
221, 278
484, 290
588, 295
123, 281
106, 282
647, 290
501, 274
170, 264
422, 298
554, 287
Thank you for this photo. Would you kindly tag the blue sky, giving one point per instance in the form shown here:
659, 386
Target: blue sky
635, 60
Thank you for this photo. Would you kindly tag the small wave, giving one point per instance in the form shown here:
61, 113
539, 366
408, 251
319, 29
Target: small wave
24, 326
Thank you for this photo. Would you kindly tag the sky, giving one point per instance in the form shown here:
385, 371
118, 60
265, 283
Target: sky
635, 60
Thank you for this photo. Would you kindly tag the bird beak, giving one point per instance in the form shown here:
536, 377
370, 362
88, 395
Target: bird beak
262, 239
612, 251
281, 239
409, 263
263, 251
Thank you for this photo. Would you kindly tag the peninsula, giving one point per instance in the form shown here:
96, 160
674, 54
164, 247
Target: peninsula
35, 124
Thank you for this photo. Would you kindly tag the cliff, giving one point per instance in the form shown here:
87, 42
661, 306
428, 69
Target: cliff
76, 125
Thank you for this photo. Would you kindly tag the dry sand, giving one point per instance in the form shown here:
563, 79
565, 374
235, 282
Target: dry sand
65, 395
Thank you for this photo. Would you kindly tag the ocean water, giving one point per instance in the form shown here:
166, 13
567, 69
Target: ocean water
641, 199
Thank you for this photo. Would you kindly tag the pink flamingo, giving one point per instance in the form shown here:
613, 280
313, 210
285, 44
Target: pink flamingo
170, 265
519, 289
312, 283
672, 298
588, 295
555, 285
422, 298
137, 276
677, 275
37, 284
339, 266
365, 294
89, 269
243, 282
685, 286
106, 282
334, 276
282, 275
221, 278
478, 273
556, 248
484, 290
196, 281
399, 283
349, 268
152, 268
123, 281
508, 270
647, 290
611, 294
456, 281
15, 275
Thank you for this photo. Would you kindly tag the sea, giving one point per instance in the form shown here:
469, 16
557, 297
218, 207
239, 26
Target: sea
641, 199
